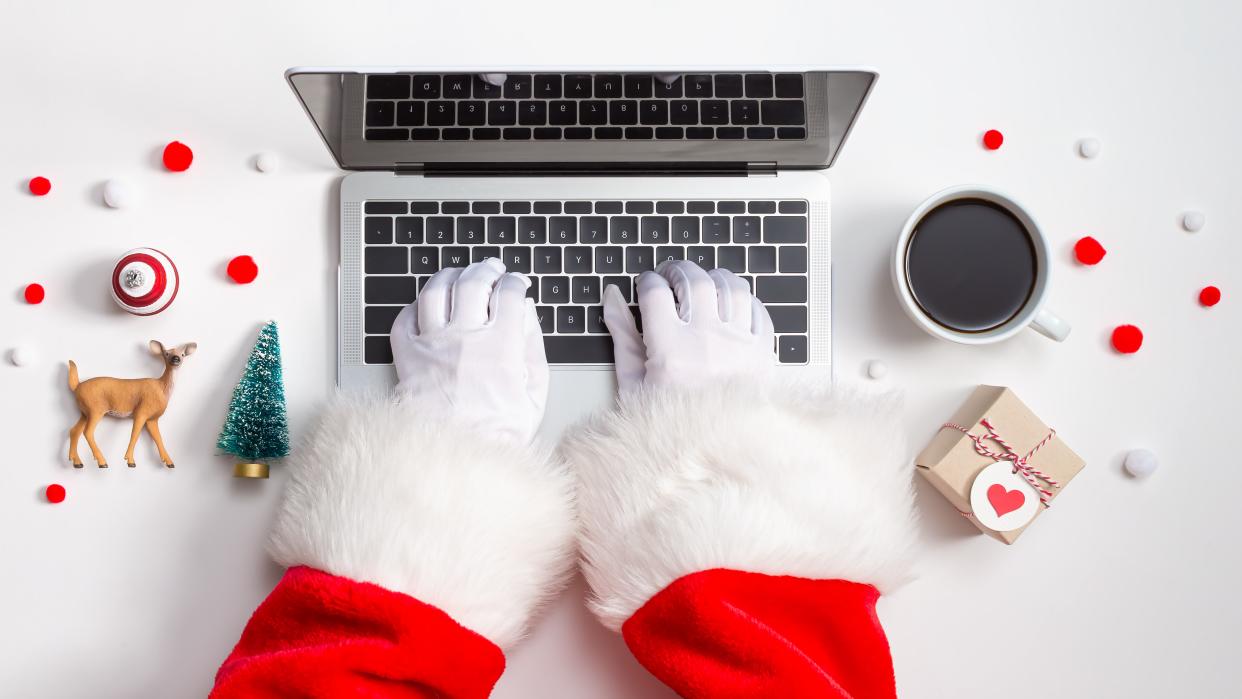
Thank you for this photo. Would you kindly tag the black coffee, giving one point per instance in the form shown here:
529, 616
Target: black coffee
971, 265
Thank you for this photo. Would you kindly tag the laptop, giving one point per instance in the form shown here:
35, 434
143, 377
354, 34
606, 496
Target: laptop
581, 178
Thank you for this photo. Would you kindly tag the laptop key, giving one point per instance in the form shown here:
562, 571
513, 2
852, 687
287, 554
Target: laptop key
554, 289
762, 207
515, 207
653, 229
698, 86
533, 230
578, 133
547, 207
608, 132
701, 207
700, 133
781, 289
791, 132
667, 90
532, 292
440, 113
578, 260
501, 230
585, 289
425, 134
571, 319
744, 112
702, 255
729, 85
411, 113
517, 258
639, 133
765, 133
547, 260
470, 230
502, 113
685, 112
488, 134
388, 134
377, 349
620, 112
388, 87
563, 113
789, 85
377, 231
379, 319
547, 318
623, 230
792, 349
471, 113
667, 253
517, 87
577, 86
715, 229
638, 85
793, 207
731, 207
783, 112
624, 285
534, 113
653, 112
548, 133
454, 256
577, 207
547, 86
578, 349
761, 258
425, 260
788, 319
426, 87
595, 320
385, 207
485, 90
686, 229
746, 229
409, 230
714, 112
385, 260
593, 229
439, 229
391, 290
380, 113
592, 112
456, 87
607, 85
758, 85
732, 258
608, 207
670, 207
639, 207
478, 253
793, 259
485, 207
784, 229
608, 260
639, 259
455, 207
731, 132
517, 134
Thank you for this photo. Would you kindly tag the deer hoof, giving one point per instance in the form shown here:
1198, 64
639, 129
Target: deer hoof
170, 465
76, 464
103, 465
131, 464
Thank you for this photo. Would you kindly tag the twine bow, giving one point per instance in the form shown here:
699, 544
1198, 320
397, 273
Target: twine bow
1021, 464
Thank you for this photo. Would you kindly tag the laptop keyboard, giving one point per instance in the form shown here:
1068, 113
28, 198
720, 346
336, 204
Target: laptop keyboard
579, 106
573, 249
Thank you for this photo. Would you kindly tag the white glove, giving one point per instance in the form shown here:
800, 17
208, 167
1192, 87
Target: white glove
471, 347
699, 328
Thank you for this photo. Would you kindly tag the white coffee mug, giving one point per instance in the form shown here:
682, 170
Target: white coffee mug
1032, 313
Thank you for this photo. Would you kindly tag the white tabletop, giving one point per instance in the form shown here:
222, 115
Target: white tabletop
139, 584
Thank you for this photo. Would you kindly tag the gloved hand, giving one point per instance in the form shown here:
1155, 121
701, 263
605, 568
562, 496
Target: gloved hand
698, 328
471, 346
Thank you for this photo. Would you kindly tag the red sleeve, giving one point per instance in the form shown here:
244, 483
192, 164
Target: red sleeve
721, 634
320, 635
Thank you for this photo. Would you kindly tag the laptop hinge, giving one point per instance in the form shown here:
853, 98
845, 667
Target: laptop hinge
671, 169
759, 169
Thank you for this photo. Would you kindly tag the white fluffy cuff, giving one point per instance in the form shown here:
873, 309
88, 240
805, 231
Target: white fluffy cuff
752, 476
389, 494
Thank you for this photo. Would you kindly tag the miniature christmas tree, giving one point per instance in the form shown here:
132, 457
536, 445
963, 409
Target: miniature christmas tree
256, 429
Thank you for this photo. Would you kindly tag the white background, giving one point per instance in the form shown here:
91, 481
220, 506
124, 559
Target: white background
139, 584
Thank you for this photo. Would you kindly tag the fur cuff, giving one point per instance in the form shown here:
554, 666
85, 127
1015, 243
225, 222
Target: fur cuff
758, 477
388, 494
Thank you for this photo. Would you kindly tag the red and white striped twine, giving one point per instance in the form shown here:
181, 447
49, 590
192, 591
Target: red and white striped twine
1021, 464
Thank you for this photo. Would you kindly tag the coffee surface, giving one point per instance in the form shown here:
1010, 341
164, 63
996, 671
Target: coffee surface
971, 265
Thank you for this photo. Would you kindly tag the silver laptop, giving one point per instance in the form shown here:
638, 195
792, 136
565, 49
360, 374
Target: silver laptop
581, 178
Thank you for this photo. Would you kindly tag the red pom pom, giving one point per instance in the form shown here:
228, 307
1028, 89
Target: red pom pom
993, 139
178, 156
55, 493
34, 293
1127, 339
242, 269
1089, 251
40, 186
1209, 296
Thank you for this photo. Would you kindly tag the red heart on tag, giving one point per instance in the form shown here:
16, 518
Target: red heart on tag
1005, 501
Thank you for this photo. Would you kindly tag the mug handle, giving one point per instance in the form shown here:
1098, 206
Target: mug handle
1050, 325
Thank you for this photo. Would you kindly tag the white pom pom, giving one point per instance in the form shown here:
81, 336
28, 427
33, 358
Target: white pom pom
1193, 221
23, 355
497, 79
1089, 147
1141, 463
877, 369
667, 78
267, 162
119, 194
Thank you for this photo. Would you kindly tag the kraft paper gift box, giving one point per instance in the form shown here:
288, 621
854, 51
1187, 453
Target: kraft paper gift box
955, 459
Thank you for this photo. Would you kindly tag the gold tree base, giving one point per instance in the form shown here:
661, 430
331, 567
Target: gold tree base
250, 470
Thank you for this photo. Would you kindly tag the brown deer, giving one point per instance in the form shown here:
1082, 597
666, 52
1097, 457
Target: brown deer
142, 399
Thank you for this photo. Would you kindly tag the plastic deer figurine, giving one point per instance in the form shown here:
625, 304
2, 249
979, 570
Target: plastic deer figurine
145, 400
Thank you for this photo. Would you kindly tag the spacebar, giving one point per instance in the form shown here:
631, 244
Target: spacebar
580, 349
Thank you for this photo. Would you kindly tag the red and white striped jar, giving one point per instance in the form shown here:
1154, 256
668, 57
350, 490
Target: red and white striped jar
144, 281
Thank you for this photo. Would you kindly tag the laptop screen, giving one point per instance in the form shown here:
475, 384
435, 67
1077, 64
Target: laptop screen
544, 119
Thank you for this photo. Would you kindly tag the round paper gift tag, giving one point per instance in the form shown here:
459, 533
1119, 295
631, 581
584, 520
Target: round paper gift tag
1001, 499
